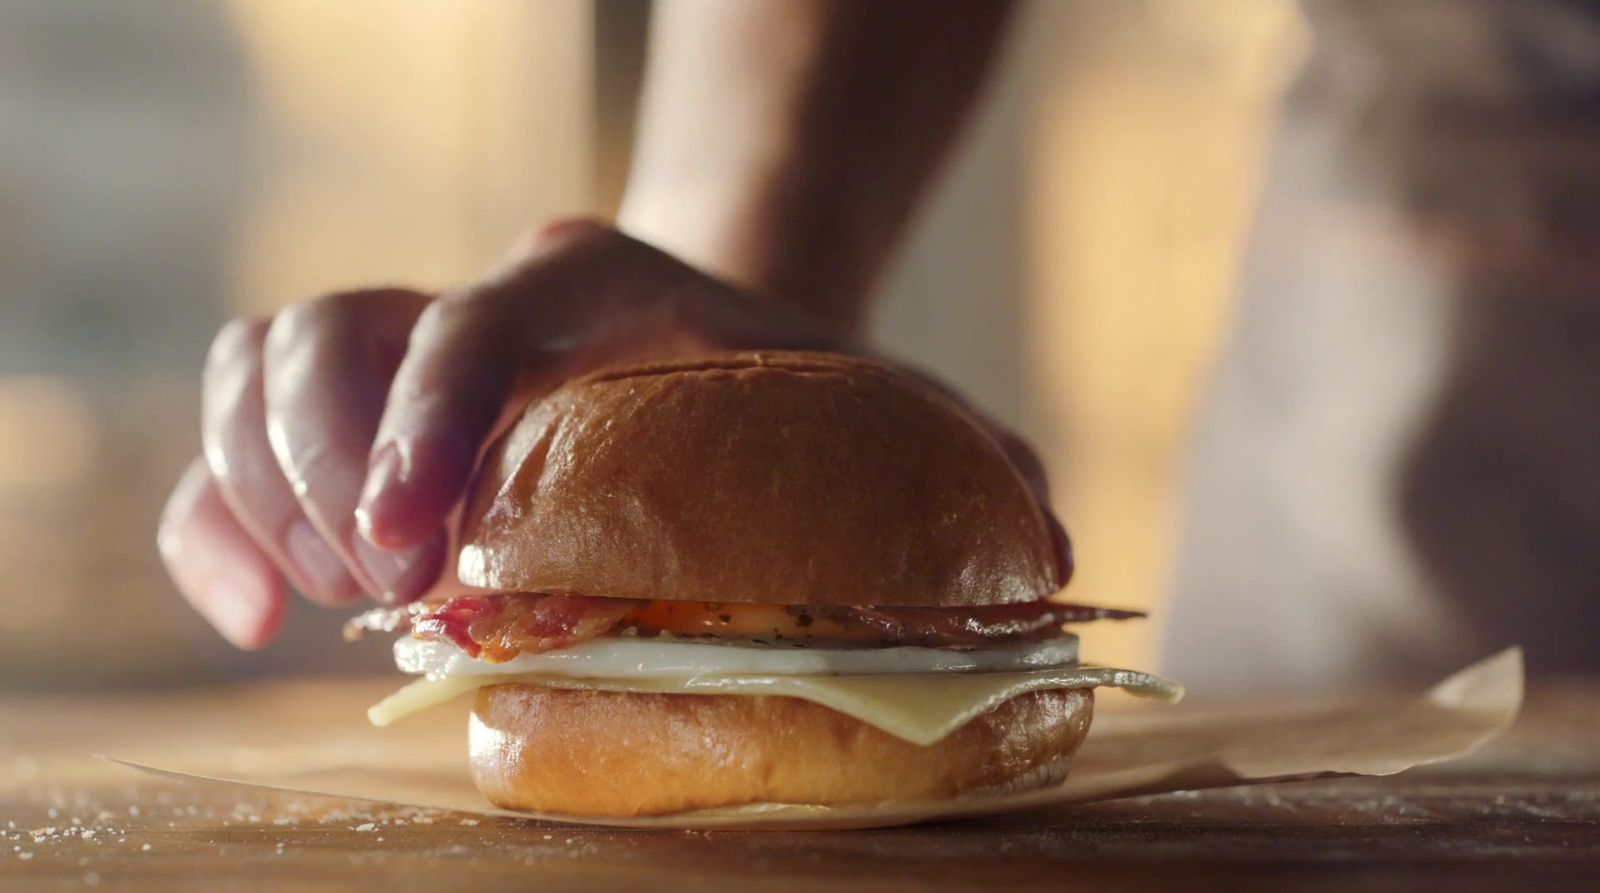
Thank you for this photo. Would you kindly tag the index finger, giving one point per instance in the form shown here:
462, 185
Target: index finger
584, 296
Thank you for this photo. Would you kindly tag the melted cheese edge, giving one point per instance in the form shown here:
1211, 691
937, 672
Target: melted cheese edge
921, 709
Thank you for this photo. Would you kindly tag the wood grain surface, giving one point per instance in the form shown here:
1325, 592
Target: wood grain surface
1524, 814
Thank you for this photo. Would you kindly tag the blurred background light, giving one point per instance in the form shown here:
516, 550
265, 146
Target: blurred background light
187, 161
47, 433
405, 143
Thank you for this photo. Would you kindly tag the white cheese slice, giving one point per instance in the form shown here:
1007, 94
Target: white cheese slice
921, 709
627, 658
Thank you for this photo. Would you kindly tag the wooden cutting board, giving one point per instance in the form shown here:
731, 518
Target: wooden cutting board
1522, 815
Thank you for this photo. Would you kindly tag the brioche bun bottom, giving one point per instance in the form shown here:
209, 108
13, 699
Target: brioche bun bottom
620, 754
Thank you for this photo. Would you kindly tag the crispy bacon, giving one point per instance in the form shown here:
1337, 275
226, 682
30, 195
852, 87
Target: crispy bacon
499, 626
985, 625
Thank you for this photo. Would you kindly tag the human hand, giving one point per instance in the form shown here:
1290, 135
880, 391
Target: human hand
340, 435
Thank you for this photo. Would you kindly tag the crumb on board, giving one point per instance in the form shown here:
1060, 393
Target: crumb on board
82, 821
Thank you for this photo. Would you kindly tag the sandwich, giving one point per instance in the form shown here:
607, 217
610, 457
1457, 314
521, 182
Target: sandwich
753, 578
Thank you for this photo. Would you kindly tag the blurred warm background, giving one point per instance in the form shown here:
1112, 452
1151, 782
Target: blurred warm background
164, 166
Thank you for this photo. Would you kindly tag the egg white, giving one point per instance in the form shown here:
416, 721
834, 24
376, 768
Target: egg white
625, 658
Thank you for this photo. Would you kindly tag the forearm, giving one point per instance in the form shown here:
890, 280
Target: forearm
784, 144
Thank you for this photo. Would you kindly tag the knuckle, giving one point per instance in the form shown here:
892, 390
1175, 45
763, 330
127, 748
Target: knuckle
566, 230
300, 321
300, 329
293, 327
449, 307
238, 341
334, 310
335, 323
558, 248
459, 311
232, 372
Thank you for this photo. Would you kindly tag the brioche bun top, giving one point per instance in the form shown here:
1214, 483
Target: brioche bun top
776, 477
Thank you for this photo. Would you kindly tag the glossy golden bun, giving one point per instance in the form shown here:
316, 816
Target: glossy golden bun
776, 477
618, 754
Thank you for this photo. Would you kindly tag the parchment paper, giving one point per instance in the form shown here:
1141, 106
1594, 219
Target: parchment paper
1127, 754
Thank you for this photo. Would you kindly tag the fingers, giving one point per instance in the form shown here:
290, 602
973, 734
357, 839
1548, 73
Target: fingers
459, 374
1062, 545
550, 313
234, 432
327, 366
1024, 459
1032, 470
341, 437
575, 295
217, 565
1027, 463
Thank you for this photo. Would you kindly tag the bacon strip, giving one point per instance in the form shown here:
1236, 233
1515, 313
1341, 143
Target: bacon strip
498, 627
985, 625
